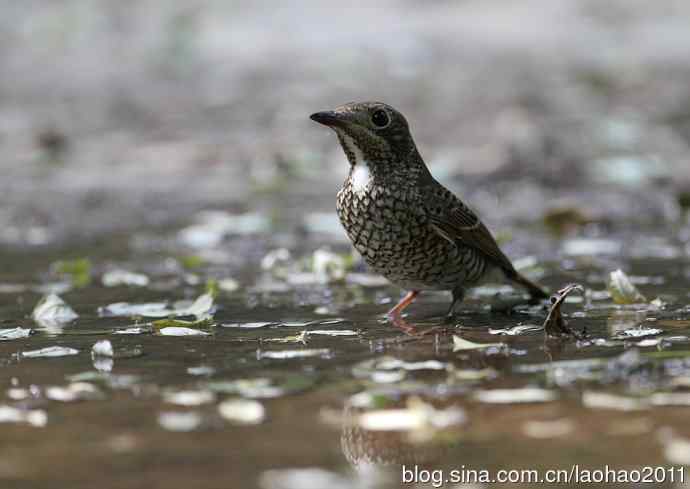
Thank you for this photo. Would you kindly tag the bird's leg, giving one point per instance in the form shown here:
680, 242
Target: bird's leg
458, 296
395, 314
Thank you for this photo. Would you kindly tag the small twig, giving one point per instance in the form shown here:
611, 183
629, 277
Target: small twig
555, 324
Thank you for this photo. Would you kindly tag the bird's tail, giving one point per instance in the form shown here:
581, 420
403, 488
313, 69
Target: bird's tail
536, 291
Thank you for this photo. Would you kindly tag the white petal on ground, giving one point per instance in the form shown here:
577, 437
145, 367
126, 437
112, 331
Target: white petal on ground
418, 415
260, 388
332, 332
180, 331
605, 400
33, 417
202, 307
228, 285
515, 396
179, 421
670, 399
388, 376
132, 330
77, 391
307, 478
288, 354
14, 333
115, 278
150, 309
366, 280
189, 397
517, 330
246, 325
461, 344
50, 352
548, 429
51, 310
677, 450
201, 370
328, 266
648, 342
622, 289
637, 333
103, 364
103, 348
275, 258
242, 411
211, 227
591, 247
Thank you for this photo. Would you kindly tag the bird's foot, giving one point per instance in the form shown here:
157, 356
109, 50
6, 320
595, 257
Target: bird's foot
413, 331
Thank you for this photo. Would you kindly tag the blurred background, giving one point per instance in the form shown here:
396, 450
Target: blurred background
156, 152
132, 114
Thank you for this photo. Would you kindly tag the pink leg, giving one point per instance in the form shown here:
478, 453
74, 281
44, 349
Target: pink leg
394, 315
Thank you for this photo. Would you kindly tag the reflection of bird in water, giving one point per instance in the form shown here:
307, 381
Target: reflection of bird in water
368, 450
406, 225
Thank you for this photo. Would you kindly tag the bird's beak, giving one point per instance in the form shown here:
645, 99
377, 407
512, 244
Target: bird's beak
328, 118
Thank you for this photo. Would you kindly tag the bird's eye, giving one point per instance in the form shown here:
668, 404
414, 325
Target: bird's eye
380, 119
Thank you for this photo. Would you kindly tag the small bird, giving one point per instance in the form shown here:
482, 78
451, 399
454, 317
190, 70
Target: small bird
406, 225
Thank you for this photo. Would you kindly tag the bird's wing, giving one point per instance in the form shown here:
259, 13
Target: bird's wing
456, 222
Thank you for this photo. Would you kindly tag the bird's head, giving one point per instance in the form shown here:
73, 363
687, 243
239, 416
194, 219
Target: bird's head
370, 131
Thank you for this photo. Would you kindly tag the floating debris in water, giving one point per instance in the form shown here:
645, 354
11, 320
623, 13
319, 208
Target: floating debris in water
247, 325
179, 421
51, 311
416, 416
189, 397
115, 278
677, 450
555, 324
132, 330
50, 352
103, 348
276, 259
331, 332
548, 429
242, 411
14, 333
366, 280
591, 247
228, 285
639, 332
517, 330
33, 417
328, 266
202, 308
515, 396
670, 399
211, 227
289, 354
606, 400
384, 369
125, 309
77, 391
461, 344
305, 478
622, 289
181, 331
201, 370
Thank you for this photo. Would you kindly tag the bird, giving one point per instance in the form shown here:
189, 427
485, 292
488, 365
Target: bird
404, 223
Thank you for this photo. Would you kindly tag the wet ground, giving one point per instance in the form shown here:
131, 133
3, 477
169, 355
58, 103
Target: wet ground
298, 382
163, 168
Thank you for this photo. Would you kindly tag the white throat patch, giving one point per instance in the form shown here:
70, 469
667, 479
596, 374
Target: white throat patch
361, 174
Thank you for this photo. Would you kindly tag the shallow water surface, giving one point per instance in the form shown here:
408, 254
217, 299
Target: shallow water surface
296, 380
